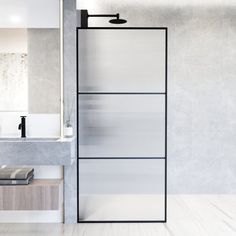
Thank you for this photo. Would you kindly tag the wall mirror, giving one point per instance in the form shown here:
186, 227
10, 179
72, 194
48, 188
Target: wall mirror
30, 67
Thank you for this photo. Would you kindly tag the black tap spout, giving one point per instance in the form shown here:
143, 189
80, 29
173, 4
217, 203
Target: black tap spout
22, 127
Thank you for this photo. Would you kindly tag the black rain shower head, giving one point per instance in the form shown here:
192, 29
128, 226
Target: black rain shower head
118, 21
85, 16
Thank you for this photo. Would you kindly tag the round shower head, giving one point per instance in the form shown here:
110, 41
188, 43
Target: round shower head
118, 21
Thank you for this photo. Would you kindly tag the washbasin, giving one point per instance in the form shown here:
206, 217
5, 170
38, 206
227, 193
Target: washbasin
36, 151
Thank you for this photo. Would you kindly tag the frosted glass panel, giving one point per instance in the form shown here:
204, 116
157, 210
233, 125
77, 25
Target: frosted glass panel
121, 125
121, 189
121, 60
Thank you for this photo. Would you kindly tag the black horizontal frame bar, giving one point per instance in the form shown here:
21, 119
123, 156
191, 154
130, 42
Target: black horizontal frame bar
122, 158
117, 93
124, 221
124, 28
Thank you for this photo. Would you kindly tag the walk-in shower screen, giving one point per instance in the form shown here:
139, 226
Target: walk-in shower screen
122, 124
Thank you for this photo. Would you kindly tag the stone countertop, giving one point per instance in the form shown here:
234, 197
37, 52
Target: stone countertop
37, 151
35, 139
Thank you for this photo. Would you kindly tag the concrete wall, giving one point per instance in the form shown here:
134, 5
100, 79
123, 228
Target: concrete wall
70, 172
202, 100
44, 70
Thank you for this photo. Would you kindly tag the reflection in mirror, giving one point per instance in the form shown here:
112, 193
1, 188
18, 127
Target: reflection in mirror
30, 67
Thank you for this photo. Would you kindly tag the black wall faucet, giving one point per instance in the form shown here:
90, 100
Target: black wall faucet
22, 127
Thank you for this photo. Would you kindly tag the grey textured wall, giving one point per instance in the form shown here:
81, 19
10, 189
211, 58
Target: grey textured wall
202, 100
70, 172
44, 70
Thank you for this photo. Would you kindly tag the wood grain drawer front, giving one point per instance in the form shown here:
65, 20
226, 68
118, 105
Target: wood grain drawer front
43, 194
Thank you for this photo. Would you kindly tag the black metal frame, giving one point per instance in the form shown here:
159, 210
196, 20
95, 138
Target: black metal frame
126, 93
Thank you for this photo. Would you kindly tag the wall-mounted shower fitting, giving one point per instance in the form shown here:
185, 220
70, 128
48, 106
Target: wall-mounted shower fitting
85, 16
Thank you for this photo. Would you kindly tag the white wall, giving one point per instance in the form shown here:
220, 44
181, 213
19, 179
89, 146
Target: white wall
202, 100
29, 13
13, 40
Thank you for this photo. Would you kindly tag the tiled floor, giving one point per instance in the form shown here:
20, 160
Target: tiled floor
188, 215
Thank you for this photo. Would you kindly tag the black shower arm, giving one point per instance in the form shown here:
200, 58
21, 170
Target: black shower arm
105, 15
84, 17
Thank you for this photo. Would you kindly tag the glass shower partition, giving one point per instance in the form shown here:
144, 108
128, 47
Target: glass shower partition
122, 124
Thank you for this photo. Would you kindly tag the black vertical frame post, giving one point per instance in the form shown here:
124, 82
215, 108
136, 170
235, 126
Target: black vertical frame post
77, 116
166, 120
126, 93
